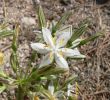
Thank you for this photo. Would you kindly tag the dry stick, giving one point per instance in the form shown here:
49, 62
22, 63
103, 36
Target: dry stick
4, 10
6, 48
98, 66
101, 92
98, 55
100, 19
98, 69
97, 93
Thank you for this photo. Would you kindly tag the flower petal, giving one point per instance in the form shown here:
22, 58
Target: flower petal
40, 48
61, 62
51, 87
47, 59
47, 36
63, 35
73, 53
76, 43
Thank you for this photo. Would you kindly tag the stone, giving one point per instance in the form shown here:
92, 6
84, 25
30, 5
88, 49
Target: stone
28, 21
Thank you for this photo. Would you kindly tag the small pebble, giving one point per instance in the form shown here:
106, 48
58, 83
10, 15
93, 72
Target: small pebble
28, 21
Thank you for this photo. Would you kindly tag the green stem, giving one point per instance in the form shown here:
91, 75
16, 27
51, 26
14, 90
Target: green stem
20, 93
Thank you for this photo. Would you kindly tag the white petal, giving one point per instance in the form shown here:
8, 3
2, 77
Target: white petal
67, 28
61, 62
73, 53
63, 36
51, 87
47, 37
47, 59
40, 48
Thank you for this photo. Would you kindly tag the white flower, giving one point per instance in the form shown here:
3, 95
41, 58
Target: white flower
54, 47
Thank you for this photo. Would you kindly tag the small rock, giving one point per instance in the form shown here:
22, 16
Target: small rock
28, 21
76, 69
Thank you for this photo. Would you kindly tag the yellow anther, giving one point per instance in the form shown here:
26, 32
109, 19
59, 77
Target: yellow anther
54, 40
1, 58
36, 98
61, 41
50, 56
61, 53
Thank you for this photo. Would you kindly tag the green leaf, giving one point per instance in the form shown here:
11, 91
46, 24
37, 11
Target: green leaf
72, 98
5, 78
51, 71
13, 63
43, 92
91, 38
46, 71
61, 21
40, 13
5, 33
51, 77
15, 39
2, 74
78, 32
33, 56
47, 94
13, 58
41, 17
68, 81
76, 43
2, 88
80, 42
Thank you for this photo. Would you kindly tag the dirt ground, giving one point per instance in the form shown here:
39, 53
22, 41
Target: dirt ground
94, 71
